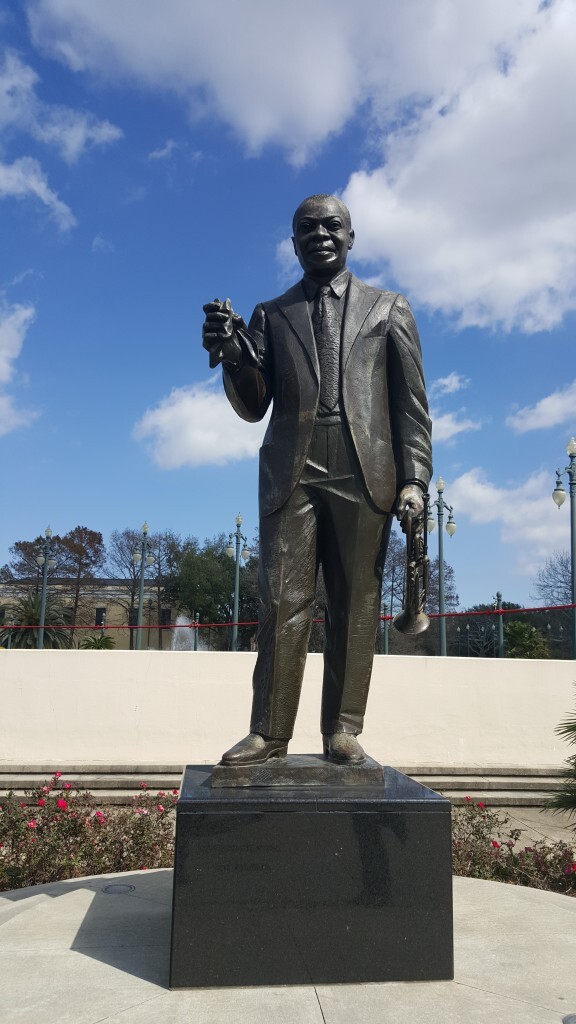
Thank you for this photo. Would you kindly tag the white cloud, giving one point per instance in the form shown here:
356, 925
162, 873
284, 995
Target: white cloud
101, 245
70, 131
446, 426
196, 426
447, 385
296, 82
14, 323
472, 210
528, 519
25, 179
288, 266
164, 152
554, 409
11, 418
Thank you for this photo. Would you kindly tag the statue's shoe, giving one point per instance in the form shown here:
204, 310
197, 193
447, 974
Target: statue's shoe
343, 748
254, 749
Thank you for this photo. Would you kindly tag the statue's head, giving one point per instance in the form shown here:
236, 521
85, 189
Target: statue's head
322, 236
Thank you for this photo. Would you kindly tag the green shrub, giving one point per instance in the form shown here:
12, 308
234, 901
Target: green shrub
565, 798
58, 832
483, 847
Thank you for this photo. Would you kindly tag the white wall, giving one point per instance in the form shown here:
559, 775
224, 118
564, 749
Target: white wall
177, 707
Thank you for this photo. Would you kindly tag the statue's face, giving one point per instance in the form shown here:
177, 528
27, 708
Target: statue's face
322, 237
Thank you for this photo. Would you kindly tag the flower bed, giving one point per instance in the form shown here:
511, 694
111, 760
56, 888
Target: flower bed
59, 832
484, 847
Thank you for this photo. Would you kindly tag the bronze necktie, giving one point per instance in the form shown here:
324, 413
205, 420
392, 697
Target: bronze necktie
326, 326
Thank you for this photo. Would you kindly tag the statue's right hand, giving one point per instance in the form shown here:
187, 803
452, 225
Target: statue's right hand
218, 333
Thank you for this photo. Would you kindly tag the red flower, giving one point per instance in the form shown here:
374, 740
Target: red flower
61, 804
22, 805
46, 789
57, 775
32, 824
41, 803
67, 785
159, 808
468, 798
495, 844
143, 785
481, 805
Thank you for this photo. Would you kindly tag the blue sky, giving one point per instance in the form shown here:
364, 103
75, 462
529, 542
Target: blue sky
151, 157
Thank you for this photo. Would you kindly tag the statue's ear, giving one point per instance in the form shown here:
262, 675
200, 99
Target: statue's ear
294, 244
352, 237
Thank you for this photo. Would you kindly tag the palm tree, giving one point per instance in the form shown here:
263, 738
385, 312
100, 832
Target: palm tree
24, 613
101, 642
565, 798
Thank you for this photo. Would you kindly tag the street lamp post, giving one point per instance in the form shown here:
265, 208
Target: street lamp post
45, 561
236, 551
142, 558
440, 505
559, 496
500, 625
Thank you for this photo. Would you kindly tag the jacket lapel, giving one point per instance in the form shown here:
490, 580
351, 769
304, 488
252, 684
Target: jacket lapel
294, 307
359, 302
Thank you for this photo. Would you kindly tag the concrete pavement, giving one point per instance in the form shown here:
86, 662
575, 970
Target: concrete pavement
97, 949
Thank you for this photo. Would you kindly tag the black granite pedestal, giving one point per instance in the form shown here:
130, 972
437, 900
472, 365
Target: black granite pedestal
311, 885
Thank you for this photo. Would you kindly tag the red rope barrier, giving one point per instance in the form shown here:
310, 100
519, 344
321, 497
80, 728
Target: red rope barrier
224, 625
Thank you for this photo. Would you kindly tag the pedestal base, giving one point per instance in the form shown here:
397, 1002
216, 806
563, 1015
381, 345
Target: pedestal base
303, 885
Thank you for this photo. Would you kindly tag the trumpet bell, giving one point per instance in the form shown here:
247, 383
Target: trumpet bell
406, 622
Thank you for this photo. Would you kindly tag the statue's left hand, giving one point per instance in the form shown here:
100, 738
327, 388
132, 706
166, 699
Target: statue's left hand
410, 498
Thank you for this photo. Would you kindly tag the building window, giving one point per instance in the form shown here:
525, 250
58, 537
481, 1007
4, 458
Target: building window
2, 615
132, 616
100, 619
165, 616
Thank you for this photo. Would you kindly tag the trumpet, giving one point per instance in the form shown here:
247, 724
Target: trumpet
413, 619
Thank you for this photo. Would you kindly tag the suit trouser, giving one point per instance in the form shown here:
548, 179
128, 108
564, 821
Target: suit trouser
328, 520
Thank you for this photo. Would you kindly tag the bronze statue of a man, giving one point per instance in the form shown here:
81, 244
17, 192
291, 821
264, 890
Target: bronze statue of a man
347, 447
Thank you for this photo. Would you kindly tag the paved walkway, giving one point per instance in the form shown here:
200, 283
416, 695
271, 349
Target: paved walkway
96, 950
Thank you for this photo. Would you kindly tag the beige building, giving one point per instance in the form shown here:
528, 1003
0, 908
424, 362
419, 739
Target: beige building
106, 606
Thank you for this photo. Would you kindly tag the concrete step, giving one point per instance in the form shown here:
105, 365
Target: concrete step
121, 784
494, 799
46, 769
543, 783
94, 782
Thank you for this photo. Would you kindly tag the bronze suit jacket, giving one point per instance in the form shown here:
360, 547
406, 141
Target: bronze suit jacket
383, 391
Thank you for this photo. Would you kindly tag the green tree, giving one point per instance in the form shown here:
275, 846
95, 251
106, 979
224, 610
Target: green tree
524, 641
204, 584
24, 614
